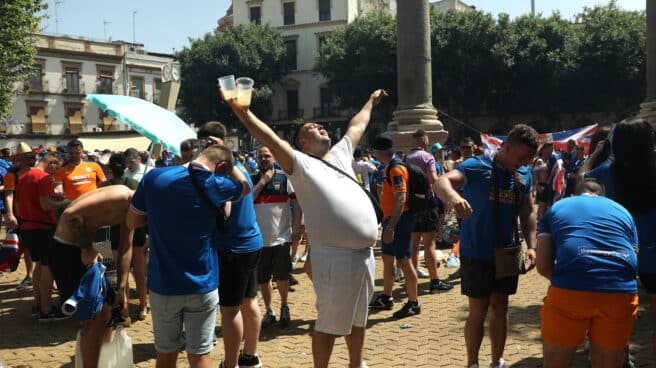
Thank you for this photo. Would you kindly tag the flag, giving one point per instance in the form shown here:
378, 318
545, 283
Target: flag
491, 143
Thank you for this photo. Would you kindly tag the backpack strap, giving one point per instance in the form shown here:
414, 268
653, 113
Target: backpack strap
394, 163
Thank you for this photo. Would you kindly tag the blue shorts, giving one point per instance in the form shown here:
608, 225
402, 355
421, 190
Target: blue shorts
195, 312
401, 246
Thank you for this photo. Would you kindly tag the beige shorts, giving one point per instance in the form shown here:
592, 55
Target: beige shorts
343, 281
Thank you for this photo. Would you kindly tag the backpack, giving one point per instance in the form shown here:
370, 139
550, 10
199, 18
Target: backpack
418, 195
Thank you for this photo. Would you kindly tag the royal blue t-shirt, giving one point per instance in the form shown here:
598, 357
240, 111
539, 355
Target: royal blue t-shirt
244, 235
594, 239
182, 225
477, 235
645, 222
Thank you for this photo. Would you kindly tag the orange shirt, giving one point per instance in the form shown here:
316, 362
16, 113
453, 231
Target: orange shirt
397, 182
79, 179
10, 179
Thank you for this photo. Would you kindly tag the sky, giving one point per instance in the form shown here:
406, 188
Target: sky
166, 25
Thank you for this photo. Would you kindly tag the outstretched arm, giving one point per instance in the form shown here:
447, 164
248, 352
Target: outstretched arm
359, 122
263, 133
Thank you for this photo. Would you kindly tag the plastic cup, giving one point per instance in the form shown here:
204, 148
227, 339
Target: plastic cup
227, 84
244, 91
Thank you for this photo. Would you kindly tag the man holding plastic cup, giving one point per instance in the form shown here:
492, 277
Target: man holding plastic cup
343, 238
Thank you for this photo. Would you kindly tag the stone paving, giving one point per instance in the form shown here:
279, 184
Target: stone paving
435, 338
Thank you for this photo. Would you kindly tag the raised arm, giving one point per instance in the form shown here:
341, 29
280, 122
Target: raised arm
263, 133
359, 122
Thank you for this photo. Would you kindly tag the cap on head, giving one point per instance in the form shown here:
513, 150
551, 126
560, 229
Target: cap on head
383, 143
357, 153
436, 147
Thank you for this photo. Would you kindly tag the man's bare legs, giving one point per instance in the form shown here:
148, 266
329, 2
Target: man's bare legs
139, 274
474, 328
322, 348
355, 346
233, 331
252, 320
94, 333
498, 325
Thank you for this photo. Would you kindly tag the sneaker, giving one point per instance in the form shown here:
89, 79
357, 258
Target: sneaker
127, 321
292, 280
144, 313
408, 309
502, 364
398, 274
249, 361
439, 285
456, 275
303, 257
452, 261
36, 311
382, 301
54, 315
294, 260
285, 317
362, 365
268, 319
422, 273
27, 281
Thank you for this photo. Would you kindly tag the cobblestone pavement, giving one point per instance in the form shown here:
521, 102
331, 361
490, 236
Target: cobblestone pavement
434, 339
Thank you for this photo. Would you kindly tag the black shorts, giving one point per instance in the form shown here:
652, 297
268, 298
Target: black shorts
138, 238
648, 281
237, 277
66, 267
37, 241
274, 261
546, 195
427, 221
478, 279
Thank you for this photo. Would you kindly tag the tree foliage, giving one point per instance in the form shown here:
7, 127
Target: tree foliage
611, 57
253, 51
502, 66
361, 57
19, 21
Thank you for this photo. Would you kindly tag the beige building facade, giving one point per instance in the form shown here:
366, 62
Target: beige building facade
303, 94
53, 108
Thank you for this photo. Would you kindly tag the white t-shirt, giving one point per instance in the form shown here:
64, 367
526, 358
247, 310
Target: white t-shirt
337, 211
362, 171
274, 218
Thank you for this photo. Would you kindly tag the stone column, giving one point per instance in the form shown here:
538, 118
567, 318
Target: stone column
648, 108
415, 109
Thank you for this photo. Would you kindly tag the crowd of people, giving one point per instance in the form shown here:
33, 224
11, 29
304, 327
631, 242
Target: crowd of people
204, 232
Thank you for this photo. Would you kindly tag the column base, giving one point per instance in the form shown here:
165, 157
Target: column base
407, 121
648, 112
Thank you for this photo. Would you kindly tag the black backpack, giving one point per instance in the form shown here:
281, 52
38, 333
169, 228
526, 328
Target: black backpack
418, 197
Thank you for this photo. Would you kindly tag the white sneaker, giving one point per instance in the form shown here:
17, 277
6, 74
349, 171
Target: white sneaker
421, 272
502, 364
398, 274
303, 257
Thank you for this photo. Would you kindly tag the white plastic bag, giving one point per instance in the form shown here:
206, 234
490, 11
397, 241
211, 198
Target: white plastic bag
114, 354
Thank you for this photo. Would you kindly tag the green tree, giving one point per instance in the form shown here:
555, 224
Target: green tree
19, 21
465, 66
611, 57
539, 57
249, 50
361, 57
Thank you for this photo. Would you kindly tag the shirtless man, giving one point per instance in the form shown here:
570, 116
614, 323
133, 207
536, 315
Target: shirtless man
72, 254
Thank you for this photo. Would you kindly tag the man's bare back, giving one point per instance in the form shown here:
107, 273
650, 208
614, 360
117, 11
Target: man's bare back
101, 207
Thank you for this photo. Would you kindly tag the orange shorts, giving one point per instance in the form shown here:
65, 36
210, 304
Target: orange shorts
607, 318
